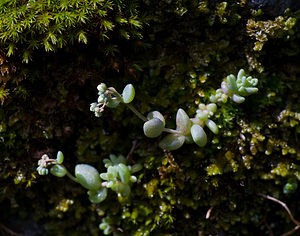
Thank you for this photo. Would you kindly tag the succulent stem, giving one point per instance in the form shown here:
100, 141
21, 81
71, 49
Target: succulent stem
69, 174
136, 112
172, 131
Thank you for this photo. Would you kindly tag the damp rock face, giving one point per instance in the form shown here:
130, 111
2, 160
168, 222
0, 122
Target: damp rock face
274, 7
271, 8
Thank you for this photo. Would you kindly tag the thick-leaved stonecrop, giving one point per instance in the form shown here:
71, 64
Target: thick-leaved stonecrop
188, 130
118, 177
235, 88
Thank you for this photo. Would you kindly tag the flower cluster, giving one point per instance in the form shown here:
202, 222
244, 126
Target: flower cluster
105, 98
45, 161
111, 98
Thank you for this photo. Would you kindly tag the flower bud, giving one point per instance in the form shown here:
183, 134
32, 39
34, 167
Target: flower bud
93, 106
101, 98
102, 87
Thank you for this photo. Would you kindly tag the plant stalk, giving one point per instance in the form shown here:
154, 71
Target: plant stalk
172, 131
136, 112
69, 174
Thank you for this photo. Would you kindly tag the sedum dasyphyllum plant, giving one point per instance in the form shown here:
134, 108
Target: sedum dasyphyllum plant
236, 88
118, 177
188, 130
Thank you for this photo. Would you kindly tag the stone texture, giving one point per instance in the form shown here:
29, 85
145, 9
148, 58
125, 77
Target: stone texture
274, 7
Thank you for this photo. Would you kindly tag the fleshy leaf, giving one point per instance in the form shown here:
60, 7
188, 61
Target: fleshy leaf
88, 176
183, 122
103, 226
153, 128
112, 172
202, 115
212, 107
136, 168
97, 196
124, 173
133, 179
60, 157
199, 135
212, 126
123, 189
241, 73
172, 142
156, 114
128, 93
58, 171
107, 163
104, 176
231, 83
237, 98
113, 102
114, 159
251, 90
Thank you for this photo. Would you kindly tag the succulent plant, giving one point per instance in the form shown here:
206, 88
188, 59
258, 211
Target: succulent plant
172, 142
153, 128
188, 130
97, 196
176, 140
235, 87
128, 93
58, 170
111, 98
118, 177
199, 135
88, 176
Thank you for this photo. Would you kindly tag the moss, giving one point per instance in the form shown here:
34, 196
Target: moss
262, 30
187, 49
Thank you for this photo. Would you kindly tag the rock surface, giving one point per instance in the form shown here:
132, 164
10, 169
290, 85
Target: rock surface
274, 7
